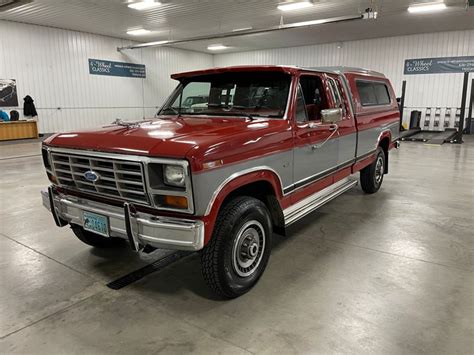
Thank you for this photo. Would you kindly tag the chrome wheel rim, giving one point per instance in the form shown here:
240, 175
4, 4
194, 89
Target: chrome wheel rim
248, 248
379, 170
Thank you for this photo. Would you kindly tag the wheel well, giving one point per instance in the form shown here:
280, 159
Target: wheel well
262, 190
384, 144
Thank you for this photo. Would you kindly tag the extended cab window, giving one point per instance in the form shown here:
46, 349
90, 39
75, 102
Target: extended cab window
372, 93
381, 92
259, 94
314, 96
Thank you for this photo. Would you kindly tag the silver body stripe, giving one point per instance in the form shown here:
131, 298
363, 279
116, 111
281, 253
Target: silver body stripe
347, 148
295, 168
309, 161
369, 138
208, 184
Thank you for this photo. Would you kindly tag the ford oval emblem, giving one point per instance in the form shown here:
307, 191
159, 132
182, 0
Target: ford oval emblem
91, 176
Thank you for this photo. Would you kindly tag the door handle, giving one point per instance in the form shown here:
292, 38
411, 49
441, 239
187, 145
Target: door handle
333, 127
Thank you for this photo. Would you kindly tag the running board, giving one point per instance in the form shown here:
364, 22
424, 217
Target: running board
313, 202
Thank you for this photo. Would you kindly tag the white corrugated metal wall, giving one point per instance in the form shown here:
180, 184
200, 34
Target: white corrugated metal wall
386, 55
51, 65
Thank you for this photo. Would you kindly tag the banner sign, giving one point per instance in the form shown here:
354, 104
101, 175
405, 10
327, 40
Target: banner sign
439, 65
107, 67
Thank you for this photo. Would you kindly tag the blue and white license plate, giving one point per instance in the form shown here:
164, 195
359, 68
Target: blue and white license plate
96, 223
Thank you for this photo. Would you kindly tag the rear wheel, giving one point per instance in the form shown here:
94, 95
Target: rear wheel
235, 258
93, 239
371, 177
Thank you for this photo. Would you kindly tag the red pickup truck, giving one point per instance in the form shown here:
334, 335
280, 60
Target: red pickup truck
261, 148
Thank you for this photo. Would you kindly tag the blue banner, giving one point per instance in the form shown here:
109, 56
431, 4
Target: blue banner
439, 65
107, 67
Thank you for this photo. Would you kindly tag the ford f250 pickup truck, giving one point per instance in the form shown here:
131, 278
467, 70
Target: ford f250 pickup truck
264, 147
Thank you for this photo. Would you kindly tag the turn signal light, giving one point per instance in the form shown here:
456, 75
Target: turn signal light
52, 178
180, 202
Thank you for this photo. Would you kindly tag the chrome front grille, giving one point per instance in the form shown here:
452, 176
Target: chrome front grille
116, 178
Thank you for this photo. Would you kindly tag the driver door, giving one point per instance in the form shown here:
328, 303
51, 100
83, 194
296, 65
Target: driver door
316, 143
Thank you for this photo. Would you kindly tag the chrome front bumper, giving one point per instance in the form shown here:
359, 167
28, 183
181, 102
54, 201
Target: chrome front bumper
141, 229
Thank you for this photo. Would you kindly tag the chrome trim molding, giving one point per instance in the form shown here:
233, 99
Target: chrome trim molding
313, 202
285, 190
366, 155
143, 228
310, 179
235, 176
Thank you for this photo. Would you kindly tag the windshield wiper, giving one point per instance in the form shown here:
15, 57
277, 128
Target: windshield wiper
244, 114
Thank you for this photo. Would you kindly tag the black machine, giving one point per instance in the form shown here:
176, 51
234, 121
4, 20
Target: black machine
434, 135
438, 130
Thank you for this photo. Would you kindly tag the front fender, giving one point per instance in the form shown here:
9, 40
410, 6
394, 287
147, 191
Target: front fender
234, 182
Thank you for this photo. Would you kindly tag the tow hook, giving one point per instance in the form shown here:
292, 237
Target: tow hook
397, 144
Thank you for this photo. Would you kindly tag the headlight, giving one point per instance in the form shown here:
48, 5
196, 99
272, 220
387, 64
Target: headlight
174, 175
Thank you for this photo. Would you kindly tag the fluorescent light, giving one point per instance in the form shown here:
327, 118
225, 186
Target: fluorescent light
242, 29
138, 32
144, 4
308, 23
290, 6
420, 8
216, 47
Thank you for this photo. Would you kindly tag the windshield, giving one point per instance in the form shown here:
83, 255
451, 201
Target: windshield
260, 94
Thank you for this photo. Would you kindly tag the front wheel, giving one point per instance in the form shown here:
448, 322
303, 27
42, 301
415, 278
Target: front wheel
236, 256
371, 177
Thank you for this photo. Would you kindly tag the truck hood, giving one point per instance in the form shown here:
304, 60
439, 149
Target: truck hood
167, 137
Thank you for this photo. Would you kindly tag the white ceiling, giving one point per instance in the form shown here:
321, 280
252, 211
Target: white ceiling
178, 19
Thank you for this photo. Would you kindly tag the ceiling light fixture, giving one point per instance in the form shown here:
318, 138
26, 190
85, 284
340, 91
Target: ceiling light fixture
429, 7
294, 5
216, 47
144, 5
308, 23
138, 32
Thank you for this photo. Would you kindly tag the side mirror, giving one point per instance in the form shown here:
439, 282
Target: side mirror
331, 115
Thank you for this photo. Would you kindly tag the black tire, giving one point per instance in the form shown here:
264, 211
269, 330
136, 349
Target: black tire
371, 177
242, 236
93, 239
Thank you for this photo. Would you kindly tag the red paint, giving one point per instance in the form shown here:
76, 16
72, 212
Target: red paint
311, 189
203, 139
242, 68
361, 164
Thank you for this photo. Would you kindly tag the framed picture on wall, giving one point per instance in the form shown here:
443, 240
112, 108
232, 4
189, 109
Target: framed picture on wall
8, 93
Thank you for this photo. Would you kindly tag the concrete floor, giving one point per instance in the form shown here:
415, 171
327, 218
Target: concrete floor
386, 273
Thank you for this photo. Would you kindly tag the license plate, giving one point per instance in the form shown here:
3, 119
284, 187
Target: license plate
96, 223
